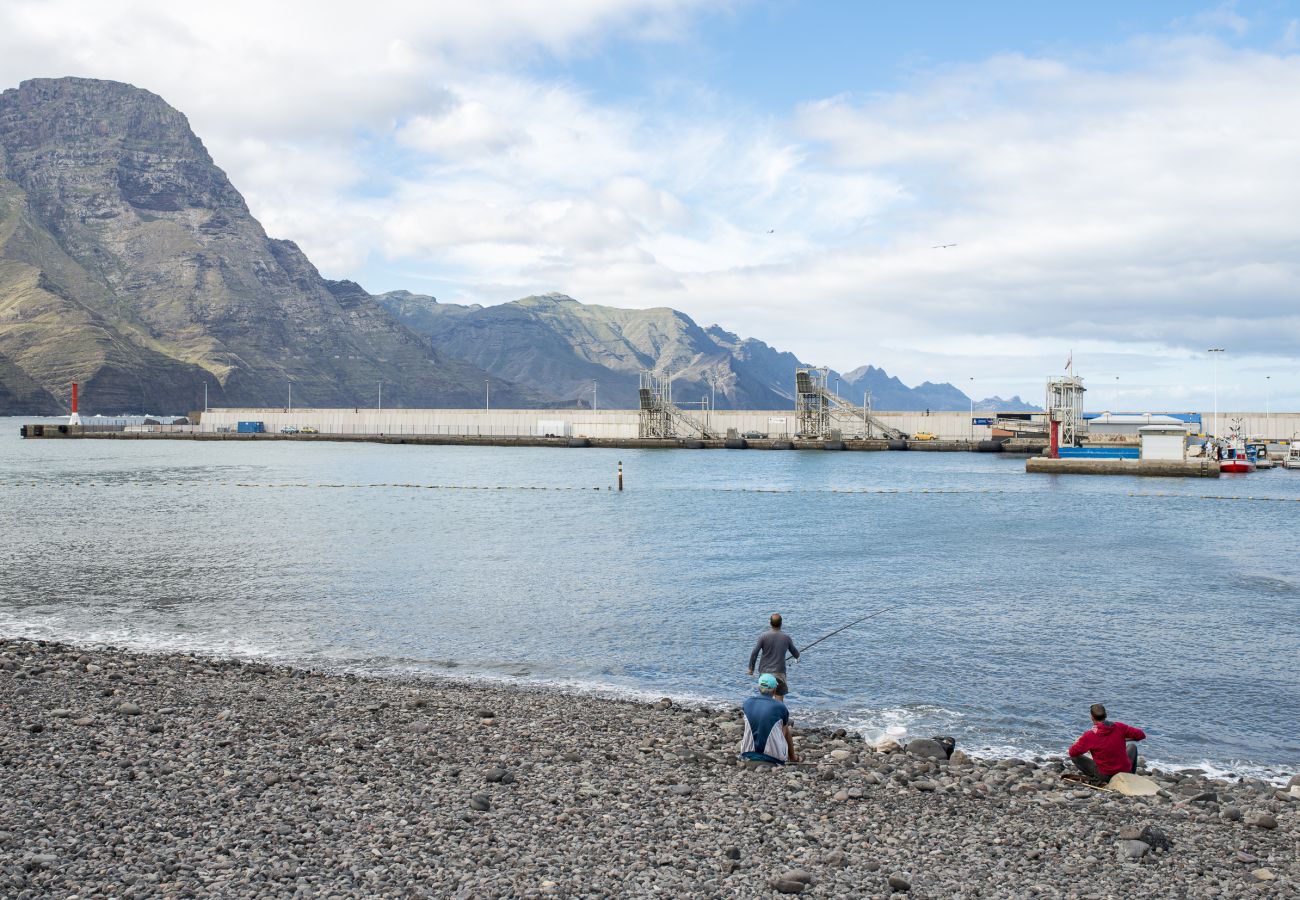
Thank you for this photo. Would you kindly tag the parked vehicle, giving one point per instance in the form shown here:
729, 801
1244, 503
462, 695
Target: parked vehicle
289, 429
753, 435
308, 429
924, 436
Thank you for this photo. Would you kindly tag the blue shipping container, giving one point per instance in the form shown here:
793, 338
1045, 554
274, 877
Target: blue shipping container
1100, 453
250, 428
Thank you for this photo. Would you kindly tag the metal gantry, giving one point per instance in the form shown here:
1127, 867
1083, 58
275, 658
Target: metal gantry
820, 411
1065, 405
660, 417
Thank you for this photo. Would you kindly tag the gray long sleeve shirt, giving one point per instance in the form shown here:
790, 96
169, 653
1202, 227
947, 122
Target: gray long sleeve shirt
773, 645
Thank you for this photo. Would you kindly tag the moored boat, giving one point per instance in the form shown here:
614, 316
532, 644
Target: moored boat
1292, 460
1234, 457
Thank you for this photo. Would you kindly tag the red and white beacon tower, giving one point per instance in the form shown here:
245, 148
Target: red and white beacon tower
75, 417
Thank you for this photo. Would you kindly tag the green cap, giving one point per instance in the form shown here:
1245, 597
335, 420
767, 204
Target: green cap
767, 680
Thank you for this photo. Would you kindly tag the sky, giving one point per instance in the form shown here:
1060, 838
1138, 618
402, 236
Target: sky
971, 193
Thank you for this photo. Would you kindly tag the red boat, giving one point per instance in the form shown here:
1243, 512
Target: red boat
1234, 458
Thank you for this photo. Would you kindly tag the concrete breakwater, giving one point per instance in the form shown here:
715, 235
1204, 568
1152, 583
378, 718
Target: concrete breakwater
182, 433
141, 775
1186, 468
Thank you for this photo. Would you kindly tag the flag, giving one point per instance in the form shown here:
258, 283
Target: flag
1069, 362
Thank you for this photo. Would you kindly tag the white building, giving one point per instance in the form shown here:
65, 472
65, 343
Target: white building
1164, 442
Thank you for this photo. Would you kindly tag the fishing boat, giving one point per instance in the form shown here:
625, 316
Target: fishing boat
1233, 457
1259, 451
1292, 460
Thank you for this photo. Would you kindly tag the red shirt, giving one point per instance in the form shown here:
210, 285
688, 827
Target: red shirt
1107, 742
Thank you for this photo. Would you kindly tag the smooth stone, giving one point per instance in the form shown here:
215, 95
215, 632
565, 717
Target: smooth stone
1263, 875
681, 790
1133, 850
1205, 797
1261, 820
128, 709
785, 886
480, 802
841, 755
900, 884
799, 875
1230, 814
61, 713
36, 728
84, 720
836, 859
494, 776
1248, 858
927, 749
732, 853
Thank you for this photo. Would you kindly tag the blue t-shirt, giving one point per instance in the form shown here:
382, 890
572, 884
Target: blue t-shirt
764, 739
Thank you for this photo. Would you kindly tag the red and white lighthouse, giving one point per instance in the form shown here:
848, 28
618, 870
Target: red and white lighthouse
75, 417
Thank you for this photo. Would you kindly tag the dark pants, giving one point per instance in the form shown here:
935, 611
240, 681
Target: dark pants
1089, 768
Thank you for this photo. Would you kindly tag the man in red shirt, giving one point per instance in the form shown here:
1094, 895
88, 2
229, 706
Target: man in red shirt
1111, 745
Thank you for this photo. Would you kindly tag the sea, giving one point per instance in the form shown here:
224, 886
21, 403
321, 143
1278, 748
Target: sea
1011, 601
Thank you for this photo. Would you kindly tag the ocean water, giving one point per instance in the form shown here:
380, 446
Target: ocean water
1020, 598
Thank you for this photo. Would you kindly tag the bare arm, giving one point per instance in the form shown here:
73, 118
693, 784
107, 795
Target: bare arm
789, 741
753, 656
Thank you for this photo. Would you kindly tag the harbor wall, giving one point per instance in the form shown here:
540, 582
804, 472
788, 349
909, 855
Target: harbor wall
599, 424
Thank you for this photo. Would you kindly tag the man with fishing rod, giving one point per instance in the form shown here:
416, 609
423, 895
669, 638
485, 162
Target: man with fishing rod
768, 738
770, 652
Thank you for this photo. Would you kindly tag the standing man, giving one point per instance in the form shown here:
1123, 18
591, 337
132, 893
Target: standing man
1111, 745
772, 646
767, 727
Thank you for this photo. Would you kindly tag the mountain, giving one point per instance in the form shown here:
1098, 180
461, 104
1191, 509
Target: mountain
997, 404
558, 346
129, 263
887, 392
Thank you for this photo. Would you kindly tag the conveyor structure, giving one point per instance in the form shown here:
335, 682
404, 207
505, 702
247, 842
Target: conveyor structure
820, 411
660, 417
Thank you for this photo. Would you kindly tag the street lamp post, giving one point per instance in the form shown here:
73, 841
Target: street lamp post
593, 395
1215, 351
971, 436
379, 406
487, 394
290, 408
1268, 398
1116, 393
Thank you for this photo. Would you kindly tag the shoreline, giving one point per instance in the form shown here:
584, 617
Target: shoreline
822, 719
138, 774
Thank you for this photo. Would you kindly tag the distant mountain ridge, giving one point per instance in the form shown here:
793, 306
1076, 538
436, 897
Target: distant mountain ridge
559, 347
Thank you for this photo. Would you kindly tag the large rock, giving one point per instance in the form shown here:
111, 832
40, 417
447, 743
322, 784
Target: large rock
927, 748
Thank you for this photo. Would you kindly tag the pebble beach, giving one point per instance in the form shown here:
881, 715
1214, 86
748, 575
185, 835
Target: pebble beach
132, 775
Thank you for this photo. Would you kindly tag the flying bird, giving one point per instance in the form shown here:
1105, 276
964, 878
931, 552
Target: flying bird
942, 246
771, 231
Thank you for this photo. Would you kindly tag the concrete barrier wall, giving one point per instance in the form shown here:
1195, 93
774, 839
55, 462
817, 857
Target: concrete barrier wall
604, 423
622, 423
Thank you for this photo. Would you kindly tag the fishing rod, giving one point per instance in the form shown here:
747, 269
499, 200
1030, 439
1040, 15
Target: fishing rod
850, 625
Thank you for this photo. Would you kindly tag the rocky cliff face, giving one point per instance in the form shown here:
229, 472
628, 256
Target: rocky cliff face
129, 263
558, 346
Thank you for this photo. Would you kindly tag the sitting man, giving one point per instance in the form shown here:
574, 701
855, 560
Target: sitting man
1111, 745
767, 727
